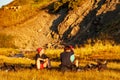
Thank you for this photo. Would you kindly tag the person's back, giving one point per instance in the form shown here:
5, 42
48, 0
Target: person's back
65, 58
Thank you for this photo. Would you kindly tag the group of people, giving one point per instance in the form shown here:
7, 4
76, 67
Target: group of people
67, 59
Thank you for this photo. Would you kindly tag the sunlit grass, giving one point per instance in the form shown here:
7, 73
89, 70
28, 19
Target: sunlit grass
14, 60
56, 75
99, 49
114, 65
7, 51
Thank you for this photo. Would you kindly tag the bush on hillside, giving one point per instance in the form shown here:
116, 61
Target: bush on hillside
70, 4
37, 0
6, 41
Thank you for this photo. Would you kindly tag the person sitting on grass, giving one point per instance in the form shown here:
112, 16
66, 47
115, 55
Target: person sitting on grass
67, 58
42, 61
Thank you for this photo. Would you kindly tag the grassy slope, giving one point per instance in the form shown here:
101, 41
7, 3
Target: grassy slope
28, 9
14, 23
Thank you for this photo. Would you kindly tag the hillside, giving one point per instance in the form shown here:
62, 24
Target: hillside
28, 24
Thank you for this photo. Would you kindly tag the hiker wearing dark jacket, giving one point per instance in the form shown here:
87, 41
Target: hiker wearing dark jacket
67, 58
42, 61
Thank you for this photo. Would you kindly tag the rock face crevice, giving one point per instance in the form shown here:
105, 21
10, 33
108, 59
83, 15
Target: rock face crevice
92, 19
88, 20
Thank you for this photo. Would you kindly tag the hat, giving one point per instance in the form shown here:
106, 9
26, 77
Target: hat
39, 50
71, 47
68, 47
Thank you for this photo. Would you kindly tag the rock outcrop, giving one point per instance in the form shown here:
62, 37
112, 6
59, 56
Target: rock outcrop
87, 21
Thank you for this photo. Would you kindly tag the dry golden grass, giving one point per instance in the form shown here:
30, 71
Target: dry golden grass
112, 73
98, 50
57, 75
14, 60
7, 51
29, 9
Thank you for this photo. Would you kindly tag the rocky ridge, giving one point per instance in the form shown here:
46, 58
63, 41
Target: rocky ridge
74, 27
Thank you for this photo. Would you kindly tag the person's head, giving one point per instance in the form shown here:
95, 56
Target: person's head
71, 47
40, 50
68, 48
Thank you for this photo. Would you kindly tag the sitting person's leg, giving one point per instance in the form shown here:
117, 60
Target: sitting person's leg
76, 62
38, 64
47, 63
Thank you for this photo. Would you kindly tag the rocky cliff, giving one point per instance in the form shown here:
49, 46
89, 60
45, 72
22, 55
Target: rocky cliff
90, 20
93, 19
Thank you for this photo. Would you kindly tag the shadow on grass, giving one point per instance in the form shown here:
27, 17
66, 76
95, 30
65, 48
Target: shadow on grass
114, 60
114, 69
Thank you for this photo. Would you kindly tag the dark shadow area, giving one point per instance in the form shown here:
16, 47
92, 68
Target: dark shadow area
112, 28
108, 60
66, 34
92, 26
114, 69
62, 12
87, 26
15, 67
56, 22
114, 60
56, 59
